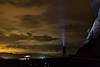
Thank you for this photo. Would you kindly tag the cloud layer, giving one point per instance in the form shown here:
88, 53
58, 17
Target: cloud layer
28, 25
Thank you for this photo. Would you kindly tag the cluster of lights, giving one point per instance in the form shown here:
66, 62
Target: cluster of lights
27, 57
24, 58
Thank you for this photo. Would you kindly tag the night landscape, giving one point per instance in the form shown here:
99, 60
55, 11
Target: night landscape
47, 33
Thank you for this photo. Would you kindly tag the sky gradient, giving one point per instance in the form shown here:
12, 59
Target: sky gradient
32, 26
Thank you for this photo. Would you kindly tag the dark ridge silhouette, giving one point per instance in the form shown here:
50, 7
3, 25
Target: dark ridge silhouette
90, 49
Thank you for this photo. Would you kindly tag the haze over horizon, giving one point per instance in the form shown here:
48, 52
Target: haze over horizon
31, 26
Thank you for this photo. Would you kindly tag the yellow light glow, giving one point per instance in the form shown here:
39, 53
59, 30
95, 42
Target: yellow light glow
11, 50
5, 49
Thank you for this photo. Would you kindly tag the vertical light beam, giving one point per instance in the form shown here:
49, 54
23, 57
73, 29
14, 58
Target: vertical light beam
61, 20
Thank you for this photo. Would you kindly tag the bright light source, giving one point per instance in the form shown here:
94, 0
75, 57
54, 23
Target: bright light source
24, 58
27, 56
42, 57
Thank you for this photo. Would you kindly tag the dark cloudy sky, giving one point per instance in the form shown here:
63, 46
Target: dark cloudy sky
32, 26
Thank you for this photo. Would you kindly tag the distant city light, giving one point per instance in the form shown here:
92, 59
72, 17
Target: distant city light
27, 56
41, 57
24, 58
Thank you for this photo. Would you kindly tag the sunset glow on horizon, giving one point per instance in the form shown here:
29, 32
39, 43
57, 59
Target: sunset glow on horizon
32, 26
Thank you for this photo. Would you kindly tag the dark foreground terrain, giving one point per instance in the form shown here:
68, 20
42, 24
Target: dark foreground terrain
52, 62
